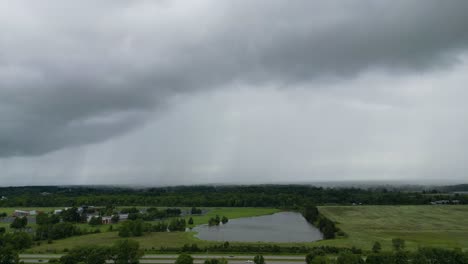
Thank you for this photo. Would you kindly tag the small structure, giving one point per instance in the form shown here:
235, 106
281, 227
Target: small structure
123, 217
106, 220
20, 213
440, 202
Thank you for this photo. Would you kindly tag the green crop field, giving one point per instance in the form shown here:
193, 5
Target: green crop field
436, 226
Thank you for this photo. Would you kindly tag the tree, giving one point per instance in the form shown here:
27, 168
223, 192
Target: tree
126, 252
124, 231
71, 215
329, 230
398, 244
348, 258
87, 254
311, 213
19, 222
320, 260
224, 220
258, 259
115, 218
94, 221
216, 261
184, 259
190, 221
380, 258
8, 255
376, 247
401, 257
316, 252
195, 211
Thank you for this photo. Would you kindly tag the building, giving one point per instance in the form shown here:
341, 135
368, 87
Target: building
20, 213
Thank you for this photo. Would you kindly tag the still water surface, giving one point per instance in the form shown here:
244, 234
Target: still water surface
279, 227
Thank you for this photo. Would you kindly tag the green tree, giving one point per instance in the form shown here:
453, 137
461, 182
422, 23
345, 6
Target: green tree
311, 213
224, 220
115, 218
190, 221
94, 221
380, 258
126, 252
320, 260
376, 248
19, 222
184, 259
124, 231
71, 215
398, 244
87, 254
348, 258
258, 259
316, 252
8, 255
401, 257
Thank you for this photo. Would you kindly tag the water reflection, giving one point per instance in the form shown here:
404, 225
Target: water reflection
279, 227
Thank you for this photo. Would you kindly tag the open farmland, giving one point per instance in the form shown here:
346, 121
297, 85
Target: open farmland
437, 226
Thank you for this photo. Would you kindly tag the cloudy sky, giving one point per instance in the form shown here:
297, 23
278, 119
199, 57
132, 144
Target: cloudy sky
246, 91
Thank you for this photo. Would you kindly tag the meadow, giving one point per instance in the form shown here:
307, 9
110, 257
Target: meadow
420, 225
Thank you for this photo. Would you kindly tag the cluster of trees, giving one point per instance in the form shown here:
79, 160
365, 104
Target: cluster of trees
11, 244
151, 213
132, 228
57, 231
19, 222
139, 227
398, 256
283, 196
195, 211
50, 227
326, 226
96, 220
122, 252
256, 249
216, 220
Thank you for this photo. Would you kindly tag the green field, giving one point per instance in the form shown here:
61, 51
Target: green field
436, 226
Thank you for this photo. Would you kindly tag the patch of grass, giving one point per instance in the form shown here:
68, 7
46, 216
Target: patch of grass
435, 226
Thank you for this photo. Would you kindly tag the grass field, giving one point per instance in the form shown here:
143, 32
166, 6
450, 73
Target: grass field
436, 226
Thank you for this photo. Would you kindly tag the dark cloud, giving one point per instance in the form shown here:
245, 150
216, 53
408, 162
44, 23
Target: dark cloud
79, 73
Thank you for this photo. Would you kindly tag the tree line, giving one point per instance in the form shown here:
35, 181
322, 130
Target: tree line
326, 226
282, 196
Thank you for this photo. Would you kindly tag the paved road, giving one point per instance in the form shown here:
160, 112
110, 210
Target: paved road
169, 259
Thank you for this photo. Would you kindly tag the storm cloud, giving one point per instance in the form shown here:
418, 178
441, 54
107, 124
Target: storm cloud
87, 74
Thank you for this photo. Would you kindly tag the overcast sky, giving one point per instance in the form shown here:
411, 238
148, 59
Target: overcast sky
245, 91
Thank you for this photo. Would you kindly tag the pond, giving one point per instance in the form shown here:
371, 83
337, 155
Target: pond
279, 227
